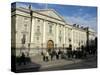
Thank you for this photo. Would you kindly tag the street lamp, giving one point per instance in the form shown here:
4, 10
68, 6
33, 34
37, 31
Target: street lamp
42, 46
30, 9
63, 46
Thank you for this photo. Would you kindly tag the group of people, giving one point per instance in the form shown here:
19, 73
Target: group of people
50, 54
23, 59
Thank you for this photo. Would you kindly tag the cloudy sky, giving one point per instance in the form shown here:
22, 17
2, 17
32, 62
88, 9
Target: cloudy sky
82, 15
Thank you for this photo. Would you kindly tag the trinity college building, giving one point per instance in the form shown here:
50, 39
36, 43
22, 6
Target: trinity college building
35, 30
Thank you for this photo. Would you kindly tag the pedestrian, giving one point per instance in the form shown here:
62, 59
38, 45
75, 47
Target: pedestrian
47, 56
50, 53
57, 54
44, 55
22, 59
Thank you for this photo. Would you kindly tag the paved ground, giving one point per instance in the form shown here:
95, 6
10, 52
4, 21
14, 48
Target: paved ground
54, 62
39, 65
86, 63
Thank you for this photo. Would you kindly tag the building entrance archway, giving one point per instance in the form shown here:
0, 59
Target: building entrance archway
50, 45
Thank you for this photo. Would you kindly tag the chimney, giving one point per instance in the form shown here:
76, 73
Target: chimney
82, 27
74, 25
77, 26
30, 7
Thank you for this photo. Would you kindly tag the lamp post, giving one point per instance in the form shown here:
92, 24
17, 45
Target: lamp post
30, 9
42, 46
87, 42
55, 46
23, 41
63, 46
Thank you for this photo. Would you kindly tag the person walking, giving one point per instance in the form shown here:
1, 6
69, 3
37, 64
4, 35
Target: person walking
22, 59
44, 55
57, 54
47, 56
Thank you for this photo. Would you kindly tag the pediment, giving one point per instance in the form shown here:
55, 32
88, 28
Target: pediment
51, 13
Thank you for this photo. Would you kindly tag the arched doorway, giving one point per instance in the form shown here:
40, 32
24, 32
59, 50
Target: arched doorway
50, 45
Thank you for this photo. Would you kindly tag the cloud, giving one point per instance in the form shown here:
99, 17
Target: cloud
24, 5
21, 5
85, 20
41, 4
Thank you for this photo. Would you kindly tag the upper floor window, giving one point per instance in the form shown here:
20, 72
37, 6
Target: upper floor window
60, 32
37, 38
25, 18
38, 28
60, 38
23, 40
25, 27
38, 20
69, 39
50, 28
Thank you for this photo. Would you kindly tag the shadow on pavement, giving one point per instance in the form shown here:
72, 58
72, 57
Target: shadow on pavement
24, 64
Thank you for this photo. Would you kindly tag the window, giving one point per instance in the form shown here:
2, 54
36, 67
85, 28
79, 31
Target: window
25, 18
50, 28
25, 27
60, 38
38, 20
69, 39
23, 40
37, 38
60, 32
38, 28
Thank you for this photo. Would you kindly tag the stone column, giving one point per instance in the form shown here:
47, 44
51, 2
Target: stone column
72, 39
64, 35
44, 33
57, 35
32, 32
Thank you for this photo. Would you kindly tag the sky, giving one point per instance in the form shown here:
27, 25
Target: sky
82, 15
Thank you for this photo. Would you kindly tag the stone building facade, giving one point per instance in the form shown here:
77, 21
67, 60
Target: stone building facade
36, 30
